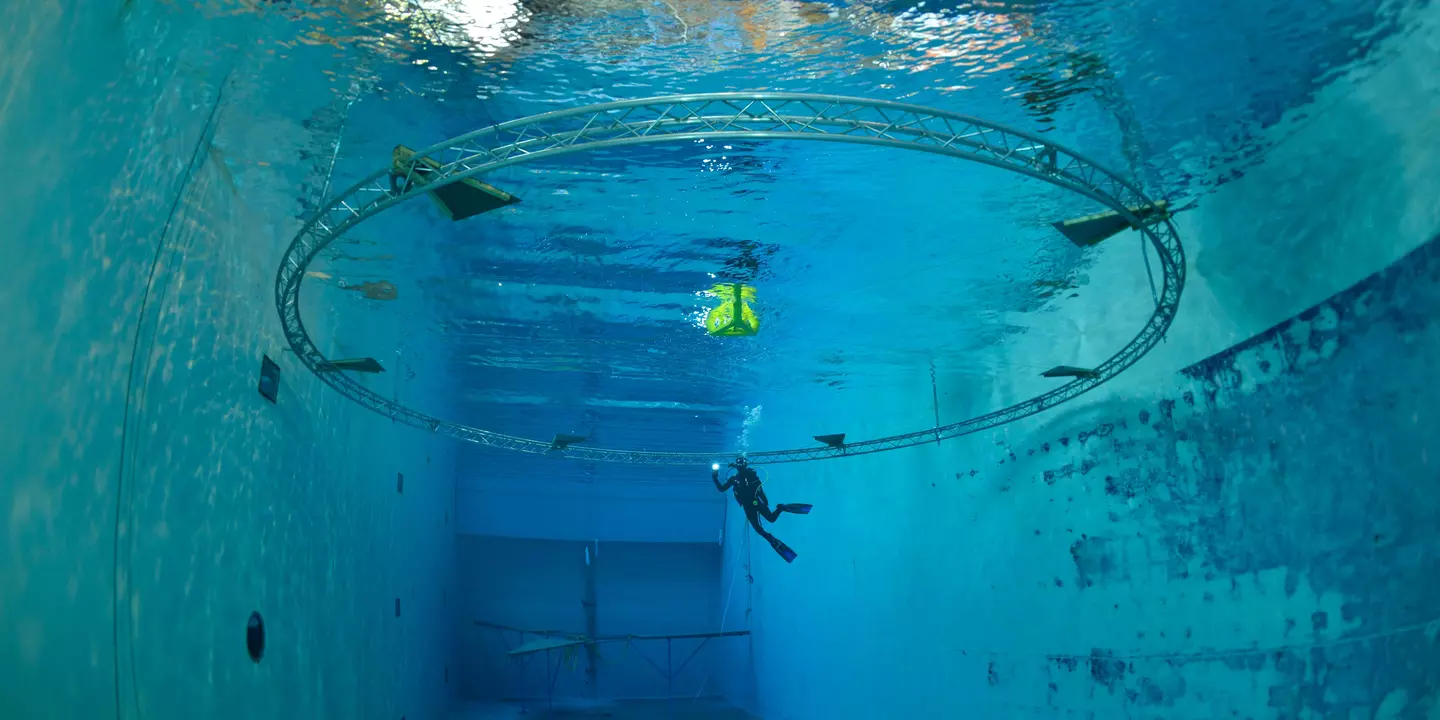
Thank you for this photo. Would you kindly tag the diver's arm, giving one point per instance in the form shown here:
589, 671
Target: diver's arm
715, 478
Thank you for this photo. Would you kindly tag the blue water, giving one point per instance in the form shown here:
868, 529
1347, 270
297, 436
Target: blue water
1240, 525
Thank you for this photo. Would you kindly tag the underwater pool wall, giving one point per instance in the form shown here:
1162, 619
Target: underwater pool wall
1259, 545
1241, 525
154, 499
1346, 187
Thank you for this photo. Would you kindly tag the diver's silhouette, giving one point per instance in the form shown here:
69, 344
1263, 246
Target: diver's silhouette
751, 496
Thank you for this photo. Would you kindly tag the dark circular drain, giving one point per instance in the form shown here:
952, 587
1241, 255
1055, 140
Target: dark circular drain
255, 637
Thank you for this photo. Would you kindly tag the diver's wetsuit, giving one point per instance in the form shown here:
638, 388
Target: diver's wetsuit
751, 496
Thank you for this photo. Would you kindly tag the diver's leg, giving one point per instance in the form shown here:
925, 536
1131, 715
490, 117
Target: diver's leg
770, 515
784, 550
762, 504
753, 515
773, 515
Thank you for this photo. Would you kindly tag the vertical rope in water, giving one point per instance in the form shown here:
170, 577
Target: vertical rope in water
353, 95
1110, 95
731, 592
728, 595
935, 400
1149, 275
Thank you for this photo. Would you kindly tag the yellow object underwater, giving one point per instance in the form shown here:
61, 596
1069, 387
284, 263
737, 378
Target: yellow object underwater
734, 317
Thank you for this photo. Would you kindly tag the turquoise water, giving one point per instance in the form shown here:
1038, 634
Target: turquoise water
1239, 525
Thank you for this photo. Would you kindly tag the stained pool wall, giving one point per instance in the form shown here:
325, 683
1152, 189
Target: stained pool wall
1240, 527
152, 498
1259, 544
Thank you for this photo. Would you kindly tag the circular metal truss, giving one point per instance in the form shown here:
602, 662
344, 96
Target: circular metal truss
763, 116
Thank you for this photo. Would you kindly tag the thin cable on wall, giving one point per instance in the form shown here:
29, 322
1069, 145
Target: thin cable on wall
127, 458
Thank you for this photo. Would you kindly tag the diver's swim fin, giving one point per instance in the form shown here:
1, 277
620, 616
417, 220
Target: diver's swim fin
797, 508
783, 549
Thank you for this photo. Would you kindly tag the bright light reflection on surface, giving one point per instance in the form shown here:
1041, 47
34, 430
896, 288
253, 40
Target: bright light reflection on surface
485, 26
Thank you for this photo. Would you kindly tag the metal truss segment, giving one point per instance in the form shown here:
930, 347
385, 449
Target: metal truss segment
737, 116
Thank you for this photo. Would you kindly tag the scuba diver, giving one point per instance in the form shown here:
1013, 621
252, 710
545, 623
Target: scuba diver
753, 501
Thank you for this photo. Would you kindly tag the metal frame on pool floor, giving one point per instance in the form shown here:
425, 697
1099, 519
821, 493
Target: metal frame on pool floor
548, 641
